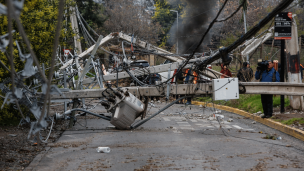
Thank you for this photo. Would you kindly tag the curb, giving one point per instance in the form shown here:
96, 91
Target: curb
297, 133
33, 165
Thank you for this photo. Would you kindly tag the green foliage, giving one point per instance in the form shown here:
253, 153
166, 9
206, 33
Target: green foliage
165, 18
39, 19
245, 5
248, 102
92, 12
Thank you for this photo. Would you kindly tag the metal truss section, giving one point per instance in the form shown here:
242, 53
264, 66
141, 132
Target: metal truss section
104, 40
256, 43
148, 46
157, 69
123, 36
143, 71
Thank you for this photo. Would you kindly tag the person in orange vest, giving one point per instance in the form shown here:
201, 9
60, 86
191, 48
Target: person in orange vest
301, 69
195, 77
190, 77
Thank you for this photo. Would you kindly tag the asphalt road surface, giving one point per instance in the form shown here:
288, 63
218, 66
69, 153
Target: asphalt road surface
180, 138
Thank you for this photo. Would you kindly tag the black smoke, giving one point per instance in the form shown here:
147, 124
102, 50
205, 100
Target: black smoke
192, 27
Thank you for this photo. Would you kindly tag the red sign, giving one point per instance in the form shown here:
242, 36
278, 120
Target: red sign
66, 52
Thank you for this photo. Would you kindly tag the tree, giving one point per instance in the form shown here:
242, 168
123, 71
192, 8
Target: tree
165, 18
39, 19
131, 18
93, 13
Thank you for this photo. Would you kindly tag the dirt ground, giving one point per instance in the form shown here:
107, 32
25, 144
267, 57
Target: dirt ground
16, 151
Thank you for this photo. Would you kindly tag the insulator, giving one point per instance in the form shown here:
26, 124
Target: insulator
118, 94
35, 81
56, 74
111, 100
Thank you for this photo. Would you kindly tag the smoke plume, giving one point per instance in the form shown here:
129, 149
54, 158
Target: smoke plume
192, 27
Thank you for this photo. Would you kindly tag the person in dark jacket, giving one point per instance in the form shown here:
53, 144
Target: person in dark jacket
244, 74
251, 71
268, 75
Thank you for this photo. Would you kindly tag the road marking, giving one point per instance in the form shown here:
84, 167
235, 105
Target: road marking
184, 125
217, 126
227, 126
175, 130
249, 129
182, 122
205, 125
166, 119
192, 120
237, 127
178, 118
199, 124
186, 128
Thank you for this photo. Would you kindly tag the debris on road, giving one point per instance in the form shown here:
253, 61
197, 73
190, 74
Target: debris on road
218, 111
254, 122
230, 120
103, 149
273, 137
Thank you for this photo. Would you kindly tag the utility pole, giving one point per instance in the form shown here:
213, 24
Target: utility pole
292, 60
74, 22
245, 24
177, 29
282, 74
78, 50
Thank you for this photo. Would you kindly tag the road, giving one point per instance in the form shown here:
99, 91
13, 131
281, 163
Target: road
178, 139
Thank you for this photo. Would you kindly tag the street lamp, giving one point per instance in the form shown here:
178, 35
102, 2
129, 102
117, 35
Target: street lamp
177, 29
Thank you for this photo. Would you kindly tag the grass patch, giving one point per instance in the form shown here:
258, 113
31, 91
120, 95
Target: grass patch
293, 121
248, 102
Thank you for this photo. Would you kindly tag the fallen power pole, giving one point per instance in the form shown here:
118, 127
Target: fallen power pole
224, 51
288, 89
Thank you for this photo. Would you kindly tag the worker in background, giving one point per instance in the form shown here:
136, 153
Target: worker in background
251, 71
267, 75
301, 69
244, 74
180, 80
190, 77
225, 71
